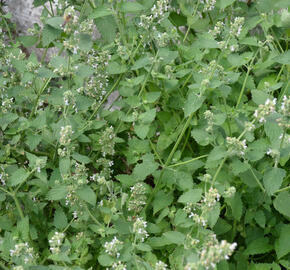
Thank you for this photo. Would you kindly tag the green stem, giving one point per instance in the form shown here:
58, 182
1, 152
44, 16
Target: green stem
282, 189
186, 162
18, 206
257, 180
6, 191
218, 170
178, 140
92, 217
155, 152
244, 86
8, 29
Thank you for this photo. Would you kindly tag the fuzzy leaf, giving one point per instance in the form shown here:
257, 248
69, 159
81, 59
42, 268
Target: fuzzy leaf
282, 202
193, 103
87, 194
273, 179
191, 196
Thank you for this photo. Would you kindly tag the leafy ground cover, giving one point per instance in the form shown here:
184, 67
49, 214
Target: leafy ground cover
190, 172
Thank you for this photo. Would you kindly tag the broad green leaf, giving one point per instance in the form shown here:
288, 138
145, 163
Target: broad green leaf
147, 167
57, 193
60, 219
101, 12
142, 62
142, 130
213, 215
161, 200
283, 58
191, 196
6, 119
105, 260
221, 227
81, 158
222, 4
282, 244
55, 22
23, 228
258, 246
174, 237
85, 42
151, 97
163, 142
260, 218
131, 7
116, 68
236, 205
50, 34
282, 202
87, 194
147, 117
28, 41
273, 179
18, 177
64, 166
193, 103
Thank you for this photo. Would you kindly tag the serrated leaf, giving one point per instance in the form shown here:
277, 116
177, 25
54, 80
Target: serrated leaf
141, 171
174, 237
105, 260
23, 228
193, 103
236, 205
115, 68
282, 202
50, 34
283, 58
64, 166
260, 218
258, 246
273, 179
131, 7
141, 131
191, 196
161, 201
87, 194
81, 158
57, 193
60, 219
99, 12
282, 244
18, 177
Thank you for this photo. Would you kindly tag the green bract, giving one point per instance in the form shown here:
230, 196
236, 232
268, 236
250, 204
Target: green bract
149, 135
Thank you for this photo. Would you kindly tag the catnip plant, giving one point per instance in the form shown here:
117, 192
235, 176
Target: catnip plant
187, 168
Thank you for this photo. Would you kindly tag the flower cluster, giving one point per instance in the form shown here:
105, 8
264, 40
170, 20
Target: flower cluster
139, 229
236, 146
230, 192
208, 4
80, 174
138, 198
210, 199
284, 110
265, 110
159, 9
23, 252
236, 26
198, 219
3, 176
119, 266
160, 266
106, 142
65, 135
113, 247
213, 254
69, 99
208, 115
55, 242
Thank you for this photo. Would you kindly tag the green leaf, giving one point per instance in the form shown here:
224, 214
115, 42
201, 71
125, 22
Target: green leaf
57, 193
105, 260
6, 119
260, 218
283, 58
282, 244
99, 12
85, 42
64, 166
28, 41
50, 34
23, 228
60, 219
282, 202
126, 179
151, 97
141, 171
131, 7
174, 237
236, 205
18, 177
142, 62
141, 131
258, 246
222, 4
115, 68
273, 179
191, 196
148, 117
161, 200
55, 22
87, 194
81, 158
193, 103
163, 142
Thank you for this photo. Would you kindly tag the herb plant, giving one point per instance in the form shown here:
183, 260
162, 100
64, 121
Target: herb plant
188, 168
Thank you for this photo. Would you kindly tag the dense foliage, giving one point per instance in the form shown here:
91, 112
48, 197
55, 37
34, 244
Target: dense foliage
187, 169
